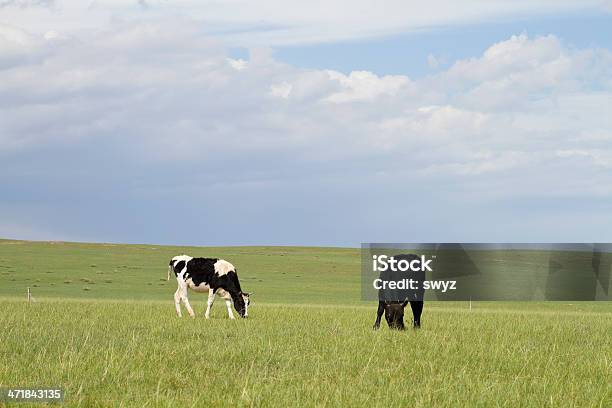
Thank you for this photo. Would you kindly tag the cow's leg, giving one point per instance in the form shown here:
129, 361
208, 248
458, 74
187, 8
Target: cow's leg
228, 303
211, 300
417, 309
379, 313
186, 302
177, 302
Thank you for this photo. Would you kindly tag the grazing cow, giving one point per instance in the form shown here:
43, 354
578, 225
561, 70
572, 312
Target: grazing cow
215, 276
393, 308
394, 313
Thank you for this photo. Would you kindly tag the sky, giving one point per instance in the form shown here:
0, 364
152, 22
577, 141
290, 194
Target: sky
306, 123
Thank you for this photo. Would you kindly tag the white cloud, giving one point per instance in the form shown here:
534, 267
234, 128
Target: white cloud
516, 71
430, 121
177, 96
281, 90
17, 45
520, 95
237, 64
26, 3
276, 22
365, 86
161, 106
598, 157
510, 57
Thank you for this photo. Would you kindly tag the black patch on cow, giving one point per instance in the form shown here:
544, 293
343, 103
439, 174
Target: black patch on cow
178, 267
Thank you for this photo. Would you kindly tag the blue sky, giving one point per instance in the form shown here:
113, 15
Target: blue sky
211, 123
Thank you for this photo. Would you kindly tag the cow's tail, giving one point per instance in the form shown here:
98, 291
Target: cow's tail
169, 270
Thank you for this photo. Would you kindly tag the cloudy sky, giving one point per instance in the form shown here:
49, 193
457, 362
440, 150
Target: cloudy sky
275, 122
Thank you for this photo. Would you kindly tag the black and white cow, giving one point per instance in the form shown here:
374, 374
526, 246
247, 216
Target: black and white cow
209, 275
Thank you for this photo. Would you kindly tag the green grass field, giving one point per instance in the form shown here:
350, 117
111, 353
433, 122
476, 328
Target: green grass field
103, 327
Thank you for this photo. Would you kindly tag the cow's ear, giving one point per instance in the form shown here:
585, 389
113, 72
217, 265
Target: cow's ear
247, 294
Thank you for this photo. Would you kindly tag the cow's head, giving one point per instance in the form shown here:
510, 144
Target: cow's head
394, 314
241, 303
247, 302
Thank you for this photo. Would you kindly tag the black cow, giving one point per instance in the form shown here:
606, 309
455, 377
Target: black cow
390, 302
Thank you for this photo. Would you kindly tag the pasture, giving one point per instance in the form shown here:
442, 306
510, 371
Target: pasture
103, 327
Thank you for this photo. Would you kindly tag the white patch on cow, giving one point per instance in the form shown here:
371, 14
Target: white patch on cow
187, 305
228, 303
223, 267
181, 296
177, 302
202, 287
211, 299
181, 293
